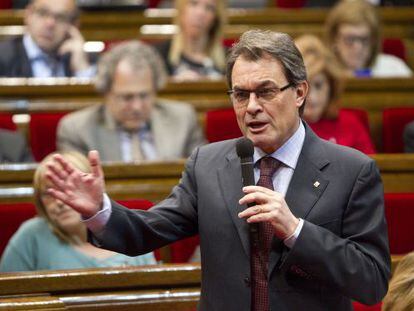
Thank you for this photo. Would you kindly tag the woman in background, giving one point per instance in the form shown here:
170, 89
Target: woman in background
352, 30
322, 110
400, 296
57, 238
196, 50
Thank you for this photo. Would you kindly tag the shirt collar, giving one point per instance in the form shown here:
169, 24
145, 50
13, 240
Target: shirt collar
289, 152
32, 49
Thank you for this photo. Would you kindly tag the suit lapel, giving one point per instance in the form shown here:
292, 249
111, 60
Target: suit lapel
162, 129
306, 186
230, 183
107, 138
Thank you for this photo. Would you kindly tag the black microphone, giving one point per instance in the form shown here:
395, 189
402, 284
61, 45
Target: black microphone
245, 150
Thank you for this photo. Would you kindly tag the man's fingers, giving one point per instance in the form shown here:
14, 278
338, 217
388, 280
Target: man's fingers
67, 167
95, 163
251, 189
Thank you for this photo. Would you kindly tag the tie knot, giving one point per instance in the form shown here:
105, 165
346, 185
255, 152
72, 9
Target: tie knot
268, 166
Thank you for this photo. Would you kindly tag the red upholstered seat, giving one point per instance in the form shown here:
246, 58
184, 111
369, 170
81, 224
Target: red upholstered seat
394, 46
6, 4
399, 211
11, 217
290, 4
393, 122
6, 121
42, 129
221, 124
360, 307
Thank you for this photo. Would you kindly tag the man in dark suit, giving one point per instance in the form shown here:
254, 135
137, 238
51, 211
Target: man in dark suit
408, 137
52, 45
13, 148
321, 236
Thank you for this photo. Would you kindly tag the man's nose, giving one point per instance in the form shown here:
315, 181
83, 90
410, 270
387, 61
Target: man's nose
253, 105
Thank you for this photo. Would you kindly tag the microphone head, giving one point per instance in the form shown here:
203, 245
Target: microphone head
244, 148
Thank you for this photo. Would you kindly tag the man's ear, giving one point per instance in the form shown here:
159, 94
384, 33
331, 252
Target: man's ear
301, 93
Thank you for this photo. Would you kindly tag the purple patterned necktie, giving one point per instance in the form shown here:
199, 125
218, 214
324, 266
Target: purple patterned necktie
260, 245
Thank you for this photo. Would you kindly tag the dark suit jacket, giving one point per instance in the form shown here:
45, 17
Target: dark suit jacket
409, 137
13, 147
14, 61
341, 253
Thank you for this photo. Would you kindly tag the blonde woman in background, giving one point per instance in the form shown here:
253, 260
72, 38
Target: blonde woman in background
353, 34
400, 296
57, 238
322, 110
196, 50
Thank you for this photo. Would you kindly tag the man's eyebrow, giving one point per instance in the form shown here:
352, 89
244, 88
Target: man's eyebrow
262, 84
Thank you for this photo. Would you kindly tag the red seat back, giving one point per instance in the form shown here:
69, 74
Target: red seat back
290, 4
6, 121
221, 124
393, 122
399, 211
360, 307
42, 129
394, 46
11, 217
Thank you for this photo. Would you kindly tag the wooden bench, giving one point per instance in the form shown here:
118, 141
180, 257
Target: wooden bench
154, 180
116, 25
165, 287
20, 95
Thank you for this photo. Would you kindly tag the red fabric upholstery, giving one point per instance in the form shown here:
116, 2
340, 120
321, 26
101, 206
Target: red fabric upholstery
360, 307
393, 122
399, 211
221, 124
290, 4
5, 4
6, 122
42, 129
153, 3
11, 217
394, 46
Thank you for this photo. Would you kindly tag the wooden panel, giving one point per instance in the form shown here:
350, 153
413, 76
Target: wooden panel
158, 287
154, 180
116, 25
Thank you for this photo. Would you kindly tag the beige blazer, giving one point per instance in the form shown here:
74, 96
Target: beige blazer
174, 125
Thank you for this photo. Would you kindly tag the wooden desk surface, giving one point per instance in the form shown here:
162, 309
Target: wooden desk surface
397, 22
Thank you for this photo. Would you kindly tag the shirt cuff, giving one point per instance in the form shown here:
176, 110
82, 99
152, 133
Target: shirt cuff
89, 72
97, 222
291, 240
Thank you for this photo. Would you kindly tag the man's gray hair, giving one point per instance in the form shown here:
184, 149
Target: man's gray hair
139, 55
256, 44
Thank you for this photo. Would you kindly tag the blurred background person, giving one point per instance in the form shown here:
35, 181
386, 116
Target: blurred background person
57, 238
353, 34
409, 137
52, 45
322, 110
132, 124
196, 50
14, 147
400, 296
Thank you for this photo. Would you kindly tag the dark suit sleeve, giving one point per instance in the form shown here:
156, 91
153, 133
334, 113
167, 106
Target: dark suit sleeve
409, 137
135, 232
356, 263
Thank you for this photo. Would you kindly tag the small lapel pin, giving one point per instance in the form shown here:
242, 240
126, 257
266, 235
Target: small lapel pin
316, 184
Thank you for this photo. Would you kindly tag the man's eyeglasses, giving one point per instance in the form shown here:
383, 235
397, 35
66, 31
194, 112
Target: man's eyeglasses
60, 18
267, 94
